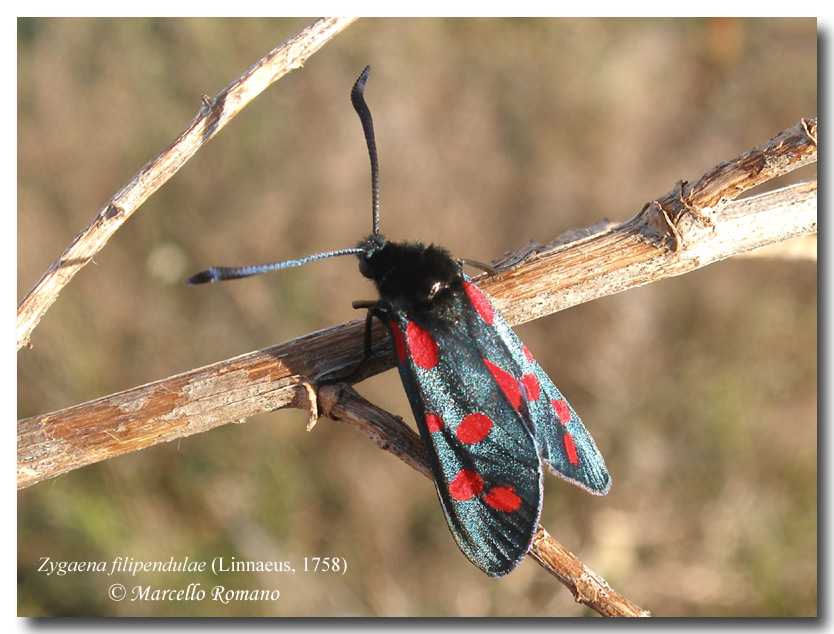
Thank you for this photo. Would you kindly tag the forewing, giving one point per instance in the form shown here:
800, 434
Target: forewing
481, 449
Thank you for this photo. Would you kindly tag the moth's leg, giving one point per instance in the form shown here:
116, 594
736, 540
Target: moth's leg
371, 307
479, 265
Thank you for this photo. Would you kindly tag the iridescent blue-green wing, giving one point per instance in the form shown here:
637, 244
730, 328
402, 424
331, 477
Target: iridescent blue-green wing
564, 443
480, 446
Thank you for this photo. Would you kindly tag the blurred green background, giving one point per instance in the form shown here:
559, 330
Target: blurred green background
700, 390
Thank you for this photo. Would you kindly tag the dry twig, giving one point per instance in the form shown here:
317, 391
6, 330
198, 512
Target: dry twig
212, 117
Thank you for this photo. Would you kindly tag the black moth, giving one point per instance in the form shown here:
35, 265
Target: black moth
488, 414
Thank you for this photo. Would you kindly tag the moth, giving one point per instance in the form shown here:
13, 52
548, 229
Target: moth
488, 415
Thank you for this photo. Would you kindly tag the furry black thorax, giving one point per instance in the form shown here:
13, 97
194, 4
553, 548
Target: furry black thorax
423, 277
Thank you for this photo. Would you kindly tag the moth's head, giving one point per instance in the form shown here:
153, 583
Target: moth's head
409, 271
369, 259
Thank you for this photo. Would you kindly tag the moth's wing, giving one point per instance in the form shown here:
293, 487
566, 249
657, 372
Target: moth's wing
564, 443
481, 448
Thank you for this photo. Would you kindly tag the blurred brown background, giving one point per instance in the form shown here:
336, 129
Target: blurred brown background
700, 390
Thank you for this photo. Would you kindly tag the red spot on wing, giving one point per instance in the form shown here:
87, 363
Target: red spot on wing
434, 422
527, 352
422, 346
473, 428
507, 382
531, 385
570, 449
466, 485
562, 410
480, 302
503, 499
399, 342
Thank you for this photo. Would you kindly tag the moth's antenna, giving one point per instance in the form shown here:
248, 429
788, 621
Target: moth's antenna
220, 273
358, 100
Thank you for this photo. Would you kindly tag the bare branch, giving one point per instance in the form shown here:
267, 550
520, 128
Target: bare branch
587, 587
802, 248
389, 432
668, 237
212, 117
691, 226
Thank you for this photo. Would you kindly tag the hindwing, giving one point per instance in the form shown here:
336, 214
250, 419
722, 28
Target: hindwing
564, 443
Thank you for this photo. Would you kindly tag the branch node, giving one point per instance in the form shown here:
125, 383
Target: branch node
307, 398
585, 591
113, 211
810, 128
660, 225
329, 396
